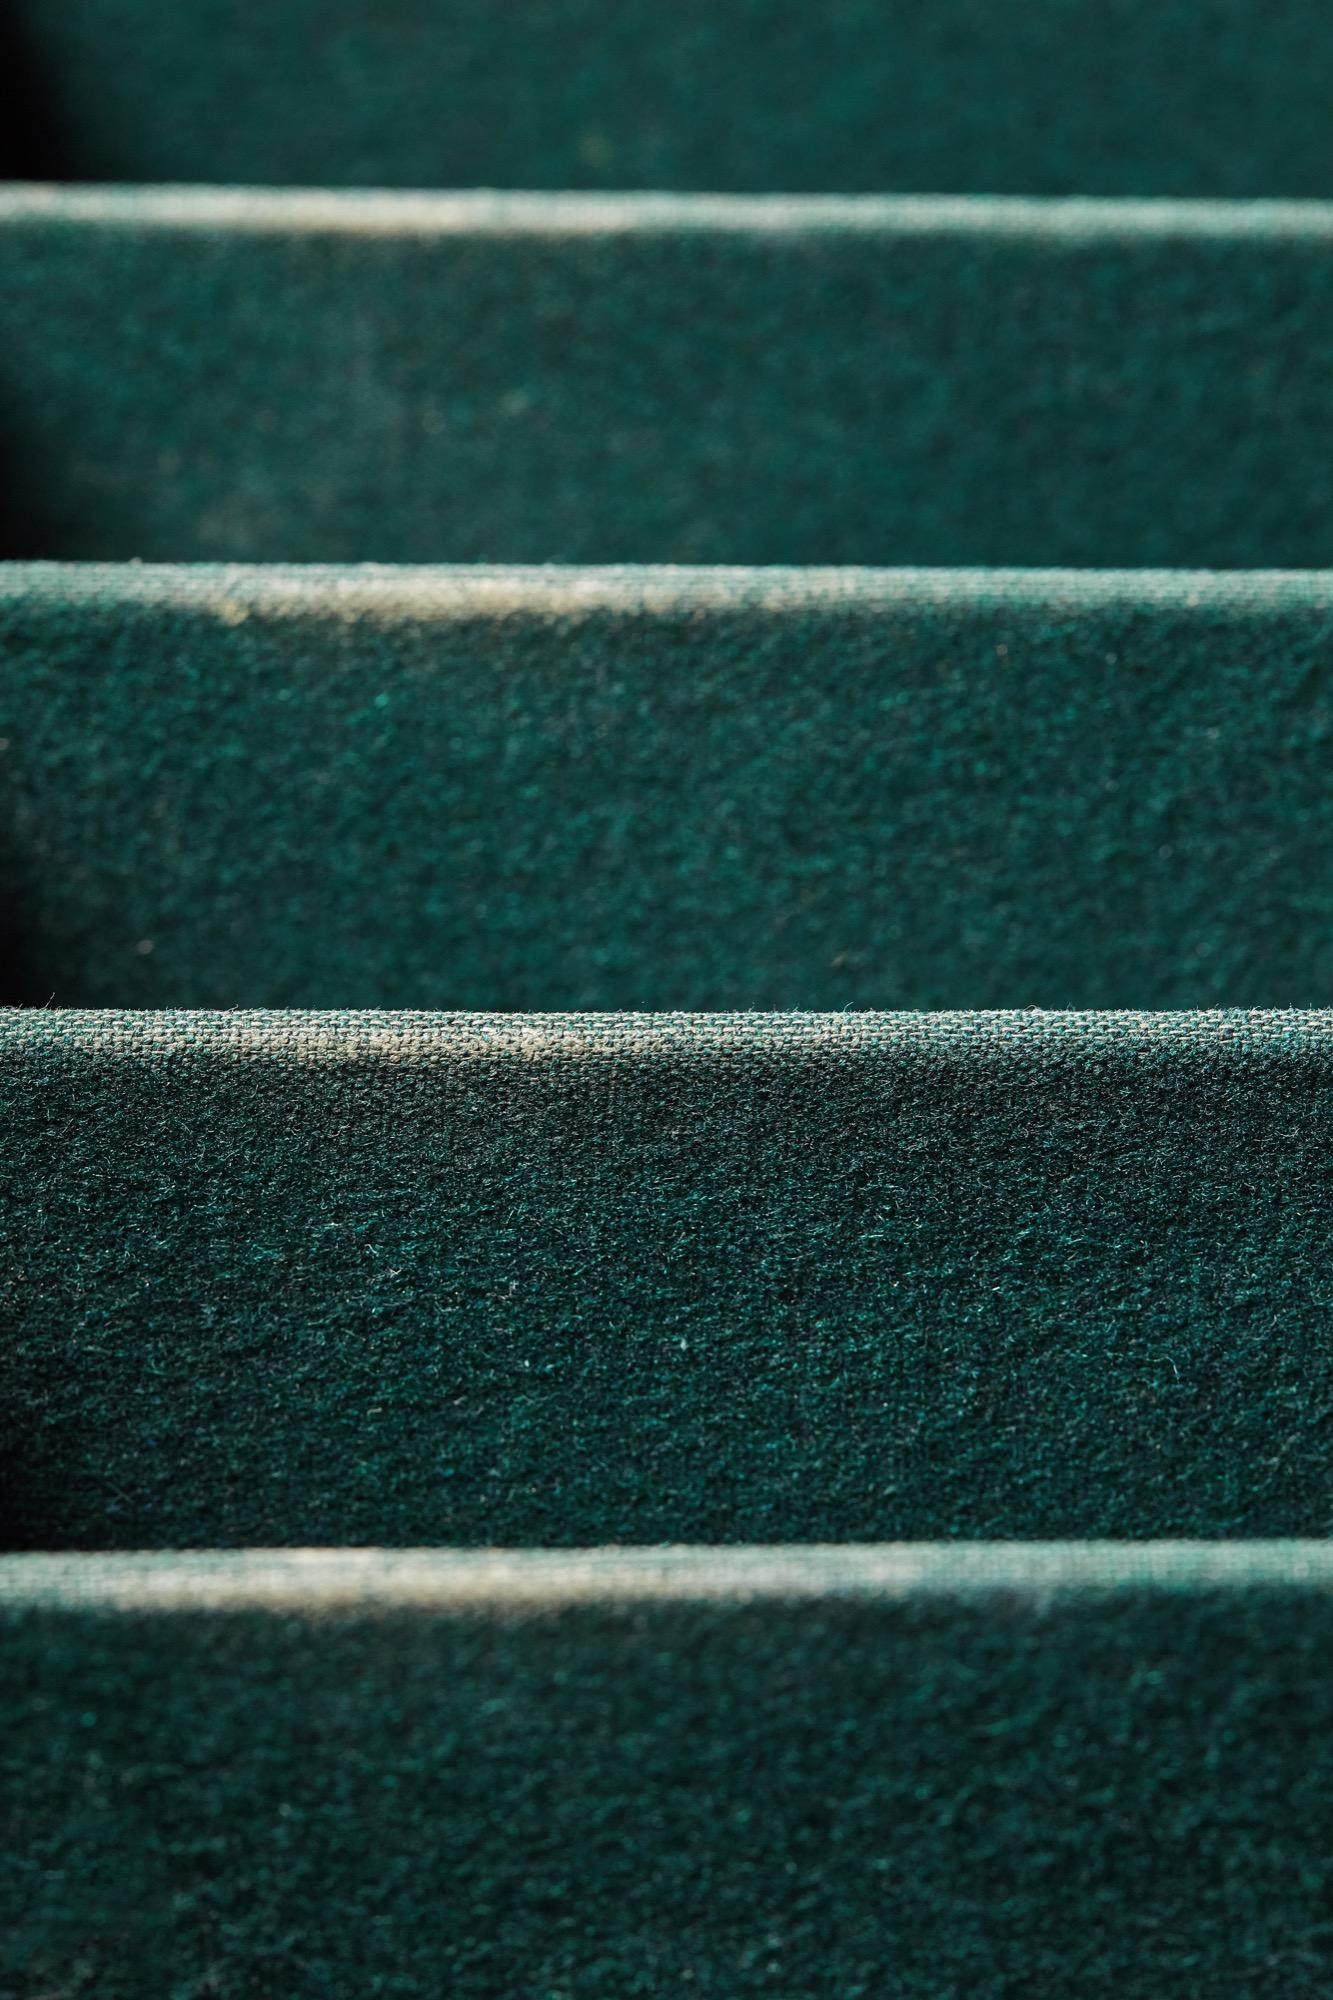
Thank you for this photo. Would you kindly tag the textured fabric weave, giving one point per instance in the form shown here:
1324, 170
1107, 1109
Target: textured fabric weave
1067, 1772
664, 789
314, 377
568, 1280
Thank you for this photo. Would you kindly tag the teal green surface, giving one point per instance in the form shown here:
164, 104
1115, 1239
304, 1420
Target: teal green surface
208, 375
564, 1280
1077, 1772
559, 1504
1221, 97
664, 789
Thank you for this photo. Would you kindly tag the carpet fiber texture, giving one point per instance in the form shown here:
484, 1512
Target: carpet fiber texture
568, 1280
508, 1492
655, 789
314, 377
913, 1772
1218, 97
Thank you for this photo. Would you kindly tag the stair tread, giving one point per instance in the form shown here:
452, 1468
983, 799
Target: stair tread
1090, 1769
561, 1279
295, 376
547, 788
1203, 96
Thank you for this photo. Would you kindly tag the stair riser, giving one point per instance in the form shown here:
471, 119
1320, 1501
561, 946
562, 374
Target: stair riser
407, 1279
1080, 1784
295, 378
1228, 97
649, 789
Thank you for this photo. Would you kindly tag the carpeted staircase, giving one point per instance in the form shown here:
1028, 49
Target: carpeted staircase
621, 1371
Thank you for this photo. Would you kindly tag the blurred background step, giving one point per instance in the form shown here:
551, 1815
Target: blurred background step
573, 1279
1079, 1770
649, 788
313, 376
1215, 97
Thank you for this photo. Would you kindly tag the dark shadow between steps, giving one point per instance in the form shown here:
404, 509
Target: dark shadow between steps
24, 980
28, 963
31, 1480
23, 537
33, 146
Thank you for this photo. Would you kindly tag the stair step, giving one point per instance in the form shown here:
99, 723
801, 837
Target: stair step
563, 1280
1080, 1769
345, 377
646, 787
1224, 97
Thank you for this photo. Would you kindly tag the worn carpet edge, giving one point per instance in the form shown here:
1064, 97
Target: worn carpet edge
472, 590
328, 1579
485, 211
392, 1036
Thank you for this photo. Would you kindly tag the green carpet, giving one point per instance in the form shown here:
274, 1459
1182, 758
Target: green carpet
565, 1280
1068, 1772
1219, 97
654, 788
316, 377
515, 519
